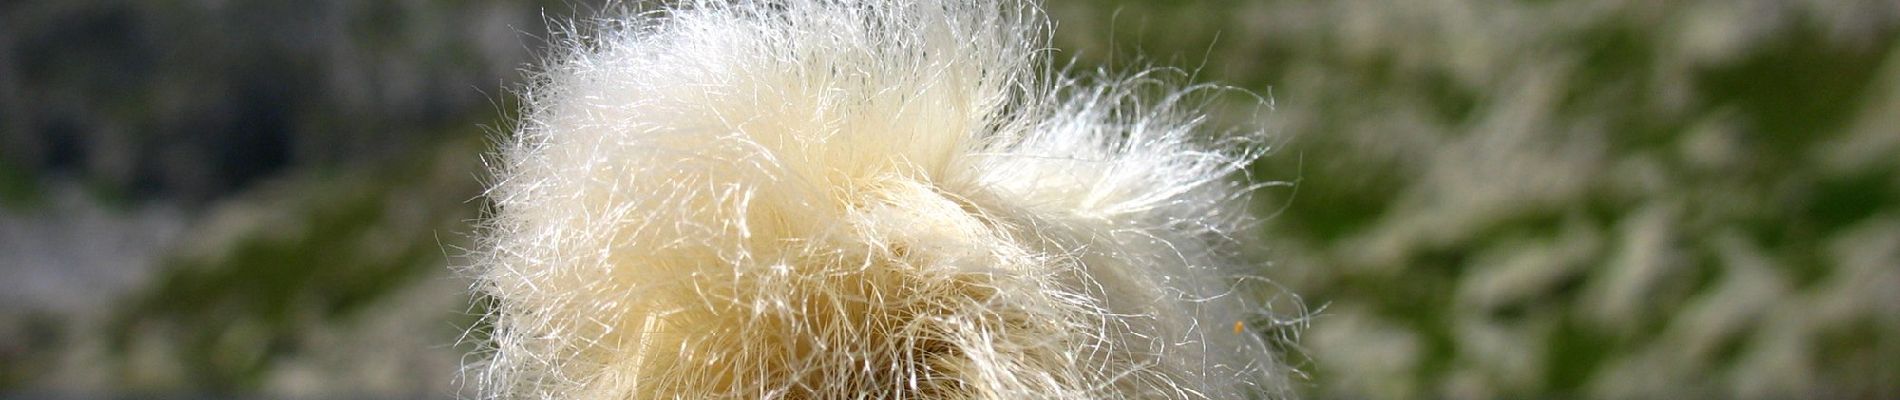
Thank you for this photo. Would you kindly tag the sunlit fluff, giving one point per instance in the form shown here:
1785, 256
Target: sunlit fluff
861, 199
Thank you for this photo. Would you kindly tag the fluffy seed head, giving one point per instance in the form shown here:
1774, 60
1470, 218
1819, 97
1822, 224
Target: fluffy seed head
819, 199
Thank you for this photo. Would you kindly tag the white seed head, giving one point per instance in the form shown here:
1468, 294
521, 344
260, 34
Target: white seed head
829, 199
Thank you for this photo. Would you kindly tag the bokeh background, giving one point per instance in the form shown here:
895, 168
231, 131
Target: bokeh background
1522, 199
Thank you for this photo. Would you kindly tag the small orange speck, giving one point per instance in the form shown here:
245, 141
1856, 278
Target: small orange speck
1239, 327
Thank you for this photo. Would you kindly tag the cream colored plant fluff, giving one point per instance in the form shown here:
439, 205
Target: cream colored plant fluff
862, 199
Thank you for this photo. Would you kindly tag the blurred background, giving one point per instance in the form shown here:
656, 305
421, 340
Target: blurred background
1521, 199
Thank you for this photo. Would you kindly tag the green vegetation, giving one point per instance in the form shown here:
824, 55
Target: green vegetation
1551, 199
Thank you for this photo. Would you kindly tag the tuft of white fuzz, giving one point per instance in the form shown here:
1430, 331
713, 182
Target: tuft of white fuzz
829, 199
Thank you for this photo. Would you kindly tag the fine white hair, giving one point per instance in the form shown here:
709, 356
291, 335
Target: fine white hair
829, 199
